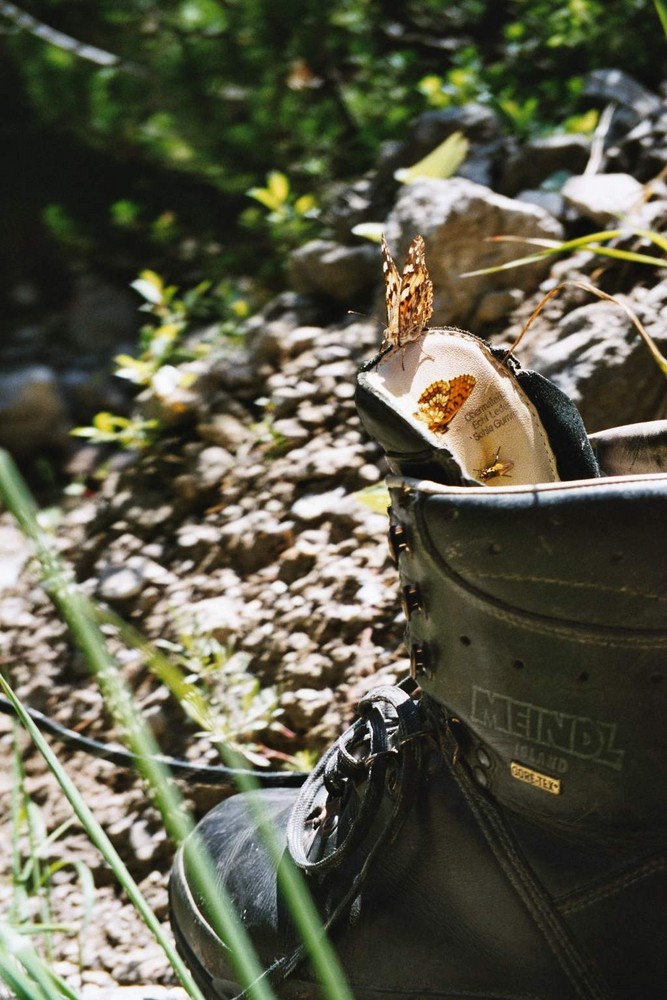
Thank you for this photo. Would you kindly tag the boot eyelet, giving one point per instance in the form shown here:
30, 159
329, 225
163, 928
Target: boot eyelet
411, 600
481, 777
420, 660
398, 542
483, 757
391, 783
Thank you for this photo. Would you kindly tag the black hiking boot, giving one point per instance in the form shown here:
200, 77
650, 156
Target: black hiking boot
494, 827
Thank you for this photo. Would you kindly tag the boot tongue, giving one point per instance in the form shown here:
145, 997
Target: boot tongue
448, 407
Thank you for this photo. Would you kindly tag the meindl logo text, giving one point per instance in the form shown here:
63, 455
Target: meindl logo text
577, 735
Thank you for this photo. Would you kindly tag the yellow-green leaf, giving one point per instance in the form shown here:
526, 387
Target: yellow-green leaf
376, 497
369, 231
149, 286
306, 203
264, 197
278, 185
441, 162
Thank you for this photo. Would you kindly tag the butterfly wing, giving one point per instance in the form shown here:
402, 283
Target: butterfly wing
460, 388
392, 290
415, 306
441, 401
409, 296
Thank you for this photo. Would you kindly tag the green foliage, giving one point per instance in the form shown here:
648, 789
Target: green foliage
238, 708
230, 93
441, 162
126, 432
161, 349
661, 9
35, 863
19, 966
290, 218
212, 685
63, 227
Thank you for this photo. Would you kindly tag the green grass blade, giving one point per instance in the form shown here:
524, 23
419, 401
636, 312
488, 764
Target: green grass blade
173, 678
661, 9
80, 614
590, 242
27, 975
631, 255
99, 839
508, 265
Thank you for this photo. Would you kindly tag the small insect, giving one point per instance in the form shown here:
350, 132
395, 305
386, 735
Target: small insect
441, 401
409, 296
496, 469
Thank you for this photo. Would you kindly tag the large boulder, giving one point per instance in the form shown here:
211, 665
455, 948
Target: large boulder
597, 357
458, 219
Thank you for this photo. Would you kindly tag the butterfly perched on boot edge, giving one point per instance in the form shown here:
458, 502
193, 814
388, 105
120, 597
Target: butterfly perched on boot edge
441, 401
409, 296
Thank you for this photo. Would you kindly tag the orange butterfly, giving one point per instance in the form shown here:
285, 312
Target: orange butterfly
409, 296
441, 401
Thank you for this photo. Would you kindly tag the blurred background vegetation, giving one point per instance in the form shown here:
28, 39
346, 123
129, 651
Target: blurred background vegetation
131, 133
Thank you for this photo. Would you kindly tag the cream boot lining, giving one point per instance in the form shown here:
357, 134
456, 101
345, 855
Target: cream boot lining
495, 434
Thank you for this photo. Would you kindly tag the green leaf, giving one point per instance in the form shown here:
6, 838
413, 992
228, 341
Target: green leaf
150, 287
305, 204
204, 16
441, 163
661, 9
264, 197
278, 185
376, 497
369, 231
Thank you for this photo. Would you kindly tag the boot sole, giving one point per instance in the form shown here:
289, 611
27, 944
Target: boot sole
214, 988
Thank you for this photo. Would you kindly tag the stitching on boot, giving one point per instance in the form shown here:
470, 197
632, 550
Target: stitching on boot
576, 901
582, 634
572, 584
577, 967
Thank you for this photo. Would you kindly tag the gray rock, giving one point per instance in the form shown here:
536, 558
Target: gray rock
291, 430
224, 430
457, 218
15, 551
643, 150
212, 464
33, 413
255, 540
538, 159
349, 204
599, 360
551, 201
101, 315
318, 507
303, 339
480, 126
604, 198
306, 706
326, 268
615, 86
120, 583
215, 616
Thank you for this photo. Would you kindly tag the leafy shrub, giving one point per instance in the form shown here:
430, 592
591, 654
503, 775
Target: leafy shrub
227, 93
